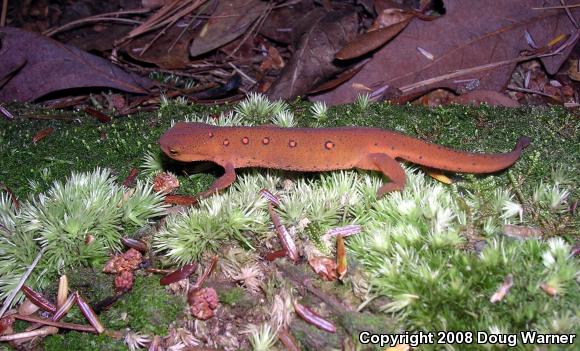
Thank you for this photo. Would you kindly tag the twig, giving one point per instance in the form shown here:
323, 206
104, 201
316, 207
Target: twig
186, 28
250, 79
569, 13
72, 326
97, 18
172, 21
91, 20
49, 330
254, 27
556, 7
524, 90
4, 13
18, 286
459, 73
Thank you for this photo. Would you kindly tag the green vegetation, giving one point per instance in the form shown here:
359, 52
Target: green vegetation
148, 308
62, 220
434, 253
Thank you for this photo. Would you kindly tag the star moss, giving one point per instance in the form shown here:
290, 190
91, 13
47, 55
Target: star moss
79, 222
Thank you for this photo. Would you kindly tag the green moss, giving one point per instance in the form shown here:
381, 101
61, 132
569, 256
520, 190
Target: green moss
148, 308
121, 144
231, 296
82, 342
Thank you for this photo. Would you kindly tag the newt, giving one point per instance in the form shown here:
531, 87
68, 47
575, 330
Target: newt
321, 149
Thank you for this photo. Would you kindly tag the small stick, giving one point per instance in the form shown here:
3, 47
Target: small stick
556, 7
250, 79
10, 297
524, 90
72, 326
97, 18
4, 13
48, 330
569, 13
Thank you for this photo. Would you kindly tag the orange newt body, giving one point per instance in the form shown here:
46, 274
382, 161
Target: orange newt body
321, 149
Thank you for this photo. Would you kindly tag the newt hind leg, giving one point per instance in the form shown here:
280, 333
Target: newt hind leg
389, 167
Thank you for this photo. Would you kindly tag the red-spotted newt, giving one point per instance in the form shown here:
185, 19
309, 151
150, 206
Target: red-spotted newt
321, 149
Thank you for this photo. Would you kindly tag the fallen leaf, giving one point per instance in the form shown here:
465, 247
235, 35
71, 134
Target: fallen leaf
183, 200
341, 263
48, 66
230, 20
42, 134
101, 117
313, 318
283, 23
372, 40
474, 41
323, 266
490, 97
130, 180
312, 62
573, 71
177, 275
437, 175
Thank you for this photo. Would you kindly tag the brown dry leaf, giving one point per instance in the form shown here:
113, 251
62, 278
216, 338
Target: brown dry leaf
282, 24
490, 97
374, 38
230, 20
474, 37
39, 66
325, 267
312, 61
389, 17
167, 51
42, 134
437, 175
573, 71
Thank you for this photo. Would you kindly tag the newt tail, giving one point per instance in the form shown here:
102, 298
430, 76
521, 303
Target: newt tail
321, 149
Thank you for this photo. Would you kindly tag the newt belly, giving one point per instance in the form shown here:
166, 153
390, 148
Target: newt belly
321, 149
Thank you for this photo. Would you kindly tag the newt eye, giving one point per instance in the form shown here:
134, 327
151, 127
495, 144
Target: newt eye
173, 151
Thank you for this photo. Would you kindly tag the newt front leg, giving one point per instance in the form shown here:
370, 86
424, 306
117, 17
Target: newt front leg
222, 182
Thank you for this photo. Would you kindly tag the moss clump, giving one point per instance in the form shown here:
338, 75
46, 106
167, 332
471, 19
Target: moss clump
78, 223
148, 308
82, 342
231, 296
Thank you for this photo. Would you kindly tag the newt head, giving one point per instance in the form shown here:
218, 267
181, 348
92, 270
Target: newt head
187, 142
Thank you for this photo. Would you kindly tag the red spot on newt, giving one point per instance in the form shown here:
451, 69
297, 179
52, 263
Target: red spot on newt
329, 145
292, 143
226, 142
266, 141
245, 140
